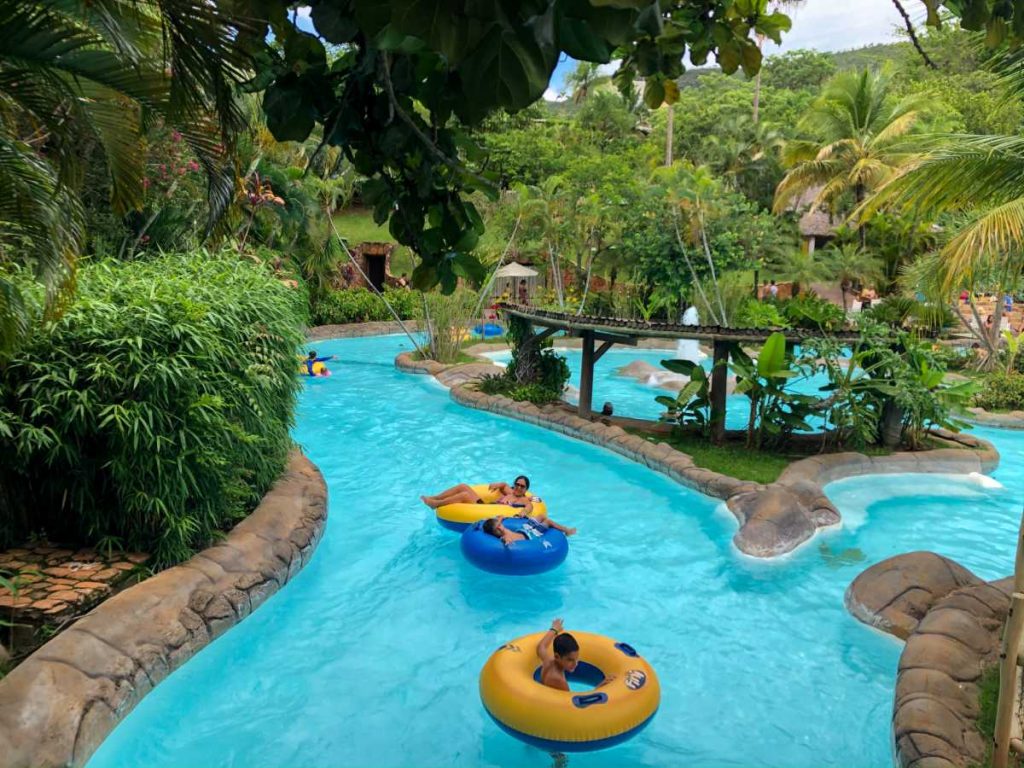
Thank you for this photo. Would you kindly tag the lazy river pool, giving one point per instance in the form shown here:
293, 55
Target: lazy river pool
371, 655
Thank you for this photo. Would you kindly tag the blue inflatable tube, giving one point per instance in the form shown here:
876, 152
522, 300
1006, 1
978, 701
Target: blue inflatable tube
521, 558
488, 329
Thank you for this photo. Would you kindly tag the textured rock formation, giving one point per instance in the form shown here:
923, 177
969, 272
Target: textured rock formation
895, 594
350, 330
61, 702
952, 622
935, 707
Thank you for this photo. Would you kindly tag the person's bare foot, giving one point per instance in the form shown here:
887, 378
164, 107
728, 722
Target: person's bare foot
570, 532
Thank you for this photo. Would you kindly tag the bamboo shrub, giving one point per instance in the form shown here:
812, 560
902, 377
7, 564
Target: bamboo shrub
445, 318
155, 411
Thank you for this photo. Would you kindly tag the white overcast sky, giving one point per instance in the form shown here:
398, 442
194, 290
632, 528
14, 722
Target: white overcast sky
825, 25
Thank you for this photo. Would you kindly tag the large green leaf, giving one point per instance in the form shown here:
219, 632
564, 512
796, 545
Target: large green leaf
510, 68
289, 110
444, 25
335, 21
684, 367
579, 40
772, 360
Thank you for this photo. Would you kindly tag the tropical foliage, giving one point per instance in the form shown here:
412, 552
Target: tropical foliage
155, 410
77, 85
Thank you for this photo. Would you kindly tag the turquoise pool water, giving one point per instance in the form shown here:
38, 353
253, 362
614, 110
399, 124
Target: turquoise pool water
370, 656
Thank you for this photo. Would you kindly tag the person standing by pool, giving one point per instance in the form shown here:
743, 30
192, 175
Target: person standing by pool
512, 496
560, 653
524, 293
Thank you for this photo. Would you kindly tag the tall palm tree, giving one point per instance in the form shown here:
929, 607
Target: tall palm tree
853, 146
75, 76
582, 81
981, 178
755, 115
850, 264
802, 269
747, 155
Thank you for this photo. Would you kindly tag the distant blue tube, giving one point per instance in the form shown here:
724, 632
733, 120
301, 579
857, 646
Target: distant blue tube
487, 329
521, 558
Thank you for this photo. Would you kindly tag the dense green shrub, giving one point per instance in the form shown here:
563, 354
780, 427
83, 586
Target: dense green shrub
535, 372
813, 313
760, 314
360, 305
1002, 392
444, 318
156, 410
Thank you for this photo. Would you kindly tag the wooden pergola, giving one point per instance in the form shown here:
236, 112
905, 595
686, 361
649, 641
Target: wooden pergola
613, 330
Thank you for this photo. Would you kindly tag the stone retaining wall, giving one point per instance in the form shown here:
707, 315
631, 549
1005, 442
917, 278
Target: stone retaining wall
1008, 420
952, 622
60, 703
350, 330
774, 519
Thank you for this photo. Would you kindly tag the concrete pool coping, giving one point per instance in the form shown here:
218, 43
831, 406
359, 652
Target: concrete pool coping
774, 519
58, 705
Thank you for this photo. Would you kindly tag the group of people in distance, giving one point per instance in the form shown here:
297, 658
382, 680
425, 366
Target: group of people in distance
558, 650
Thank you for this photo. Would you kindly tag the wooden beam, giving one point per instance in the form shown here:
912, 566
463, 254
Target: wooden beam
633, 329
539, 337
719, 384
587, 375
611, 338
602, 349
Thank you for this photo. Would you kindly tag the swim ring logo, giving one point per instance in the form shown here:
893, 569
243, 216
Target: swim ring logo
635, 679
511, 647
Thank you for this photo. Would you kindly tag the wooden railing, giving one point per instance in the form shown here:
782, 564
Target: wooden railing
1008, 735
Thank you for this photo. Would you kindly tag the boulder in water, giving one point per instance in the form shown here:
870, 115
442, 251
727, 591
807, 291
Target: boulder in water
639, 370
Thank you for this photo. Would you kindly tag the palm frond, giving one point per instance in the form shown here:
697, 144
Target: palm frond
967, 171
997, 236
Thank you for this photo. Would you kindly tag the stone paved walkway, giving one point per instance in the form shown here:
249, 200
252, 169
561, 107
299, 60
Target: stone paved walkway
54, 583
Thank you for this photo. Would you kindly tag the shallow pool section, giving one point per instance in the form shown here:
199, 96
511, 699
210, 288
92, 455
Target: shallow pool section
371, 655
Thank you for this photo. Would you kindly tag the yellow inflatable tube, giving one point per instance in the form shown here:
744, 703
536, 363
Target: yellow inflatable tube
319, 369
458, 517
570, 721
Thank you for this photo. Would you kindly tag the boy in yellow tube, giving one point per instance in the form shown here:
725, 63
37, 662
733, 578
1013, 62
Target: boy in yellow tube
560, 653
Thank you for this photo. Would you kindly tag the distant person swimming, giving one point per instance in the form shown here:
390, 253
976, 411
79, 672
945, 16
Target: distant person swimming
510, 495
311, 361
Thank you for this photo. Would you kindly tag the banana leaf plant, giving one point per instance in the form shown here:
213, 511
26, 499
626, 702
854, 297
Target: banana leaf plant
692, 406
775, 412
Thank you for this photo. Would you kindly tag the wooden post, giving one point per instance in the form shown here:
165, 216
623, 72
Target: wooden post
1009, 661
587, 375
1008, 684
719, 383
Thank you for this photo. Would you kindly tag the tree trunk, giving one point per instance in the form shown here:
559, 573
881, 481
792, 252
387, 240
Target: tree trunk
862, 230
670, 126
891, 424
757, 83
